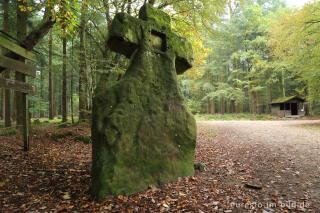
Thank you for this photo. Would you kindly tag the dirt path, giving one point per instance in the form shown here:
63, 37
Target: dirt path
279, 156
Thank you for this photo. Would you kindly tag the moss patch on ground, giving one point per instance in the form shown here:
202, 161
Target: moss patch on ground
230, 117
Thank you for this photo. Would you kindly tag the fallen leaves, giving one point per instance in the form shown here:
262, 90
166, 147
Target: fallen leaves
55, 177
66, 196
4, 182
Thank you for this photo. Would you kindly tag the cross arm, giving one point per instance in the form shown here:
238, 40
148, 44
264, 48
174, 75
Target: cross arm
124, 34
183, 51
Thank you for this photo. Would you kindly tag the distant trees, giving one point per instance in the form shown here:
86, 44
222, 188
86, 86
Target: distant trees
295, 46
28, 37
262, 51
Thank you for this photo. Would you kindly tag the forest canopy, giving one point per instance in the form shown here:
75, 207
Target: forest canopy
247, 52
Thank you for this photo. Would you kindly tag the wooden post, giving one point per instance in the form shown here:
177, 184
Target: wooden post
25, 122
19, 85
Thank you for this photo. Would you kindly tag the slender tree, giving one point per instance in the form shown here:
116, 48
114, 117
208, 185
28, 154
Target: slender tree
71, 83
83, 65
51, 113
64, 80
7, 106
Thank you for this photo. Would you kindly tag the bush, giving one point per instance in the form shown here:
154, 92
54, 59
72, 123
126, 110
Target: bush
9, 132
194, 106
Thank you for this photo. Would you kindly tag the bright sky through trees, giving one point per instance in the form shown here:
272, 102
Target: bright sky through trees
297, 3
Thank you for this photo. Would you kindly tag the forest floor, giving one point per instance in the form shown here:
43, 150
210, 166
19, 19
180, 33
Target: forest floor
250, 166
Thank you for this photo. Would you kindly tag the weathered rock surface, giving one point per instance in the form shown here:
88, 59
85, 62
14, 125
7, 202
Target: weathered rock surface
142, 133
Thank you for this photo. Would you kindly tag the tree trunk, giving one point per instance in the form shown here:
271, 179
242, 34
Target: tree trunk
64, 80
41, 112
71, 84
6, 92
21, 34
257, 103
212, 107
2, 108
82, 68
51, 114
222, 105
57, 94
283, 84
268, 94
21, 98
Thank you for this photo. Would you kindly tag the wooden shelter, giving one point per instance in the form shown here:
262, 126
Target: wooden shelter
288, 107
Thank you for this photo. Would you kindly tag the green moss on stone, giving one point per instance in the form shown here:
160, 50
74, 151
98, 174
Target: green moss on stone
142, 133
148, 12
126, 32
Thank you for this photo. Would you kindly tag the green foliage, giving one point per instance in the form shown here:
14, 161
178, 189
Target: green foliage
8, 132
252, 63
194, 106
295, 45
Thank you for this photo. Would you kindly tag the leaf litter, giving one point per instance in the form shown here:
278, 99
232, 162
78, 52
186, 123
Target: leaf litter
55, 177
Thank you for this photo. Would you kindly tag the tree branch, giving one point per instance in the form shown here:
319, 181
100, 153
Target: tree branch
34, 36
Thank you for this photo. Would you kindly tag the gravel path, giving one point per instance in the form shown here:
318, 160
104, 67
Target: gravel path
280, 156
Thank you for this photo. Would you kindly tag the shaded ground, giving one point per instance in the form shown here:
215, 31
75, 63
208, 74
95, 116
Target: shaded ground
279, 156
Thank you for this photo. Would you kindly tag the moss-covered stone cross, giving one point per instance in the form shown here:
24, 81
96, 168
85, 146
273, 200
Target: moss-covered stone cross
142, 133
127, 33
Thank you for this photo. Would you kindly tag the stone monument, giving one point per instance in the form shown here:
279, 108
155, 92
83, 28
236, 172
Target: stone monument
142, 133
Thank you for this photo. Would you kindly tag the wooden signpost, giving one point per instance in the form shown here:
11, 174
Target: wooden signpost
20, 86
